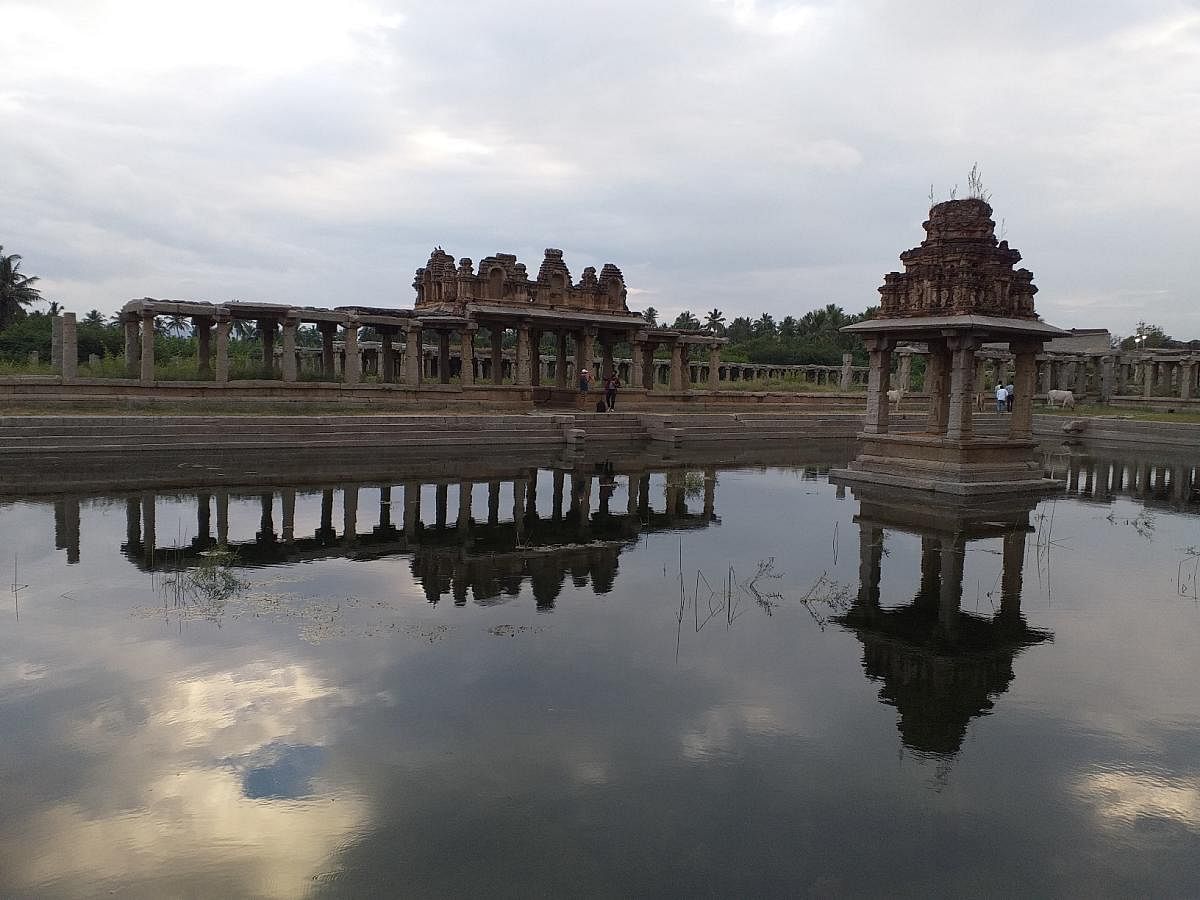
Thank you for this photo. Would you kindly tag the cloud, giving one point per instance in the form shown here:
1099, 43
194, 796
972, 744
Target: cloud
701, 147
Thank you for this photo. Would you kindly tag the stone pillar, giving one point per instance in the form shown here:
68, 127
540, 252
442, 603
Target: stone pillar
585, 350
466, 339
221, 373
147, 355
997, 374
560, 360
133, 349
69, 366
1106, 379
1081, 379
465, 490
288, 360
328, 371
647, 373
714, 367
287, 499
954, 551
56, 349
412, 359
202, 325
1047, 376
149, 538
847, 375
443, 355
1020, 427
352, 366
387, 361
266, 331
606, 356
497, 336
1187, 379
937, 383
903, 374
350, 513
523, 374
1147, 378
676, 366
877, 385
535, 357
960, 425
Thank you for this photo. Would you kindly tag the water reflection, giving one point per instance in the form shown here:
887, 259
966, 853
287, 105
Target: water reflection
939, 666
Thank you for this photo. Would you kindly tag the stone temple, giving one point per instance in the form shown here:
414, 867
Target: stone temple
959, 290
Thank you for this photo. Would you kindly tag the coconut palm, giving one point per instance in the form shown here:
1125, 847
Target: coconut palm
651, 316
686, 321
715, 320
94, 317
16, 290
764, 326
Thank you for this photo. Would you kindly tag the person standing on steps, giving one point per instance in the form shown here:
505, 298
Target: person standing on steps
611, 383
585, 385
1008, 398
1001, 397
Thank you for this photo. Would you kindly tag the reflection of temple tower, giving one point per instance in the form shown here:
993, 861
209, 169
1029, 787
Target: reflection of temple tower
939, 666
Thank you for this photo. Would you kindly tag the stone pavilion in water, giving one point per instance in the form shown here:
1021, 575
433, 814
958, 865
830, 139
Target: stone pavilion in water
959, 290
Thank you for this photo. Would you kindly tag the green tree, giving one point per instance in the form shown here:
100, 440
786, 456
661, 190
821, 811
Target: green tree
16, 290
764, 326
94, 317
686, 321
789, 327
651, 316
1147, 337
740, 329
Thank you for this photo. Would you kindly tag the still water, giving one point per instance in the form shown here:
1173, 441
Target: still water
608, 676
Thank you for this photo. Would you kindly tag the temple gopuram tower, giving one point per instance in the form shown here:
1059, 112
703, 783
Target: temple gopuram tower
959, 290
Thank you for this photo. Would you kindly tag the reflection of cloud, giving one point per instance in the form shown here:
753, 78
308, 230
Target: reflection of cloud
1122, 798
724, 728
201, 788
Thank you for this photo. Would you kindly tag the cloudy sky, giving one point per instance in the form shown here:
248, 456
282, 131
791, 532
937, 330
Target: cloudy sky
752, 155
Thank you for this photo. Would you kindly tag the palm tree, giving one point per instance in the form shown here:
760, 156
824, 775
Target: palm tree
177, 324
788, 327
765, 326
94, 317
686, 321
651, 316
16, 290
715, 320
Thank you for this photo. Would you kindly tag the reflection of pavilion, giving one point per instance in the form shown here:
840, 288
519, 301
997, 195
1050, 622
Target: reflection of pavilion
451, 550
940, 667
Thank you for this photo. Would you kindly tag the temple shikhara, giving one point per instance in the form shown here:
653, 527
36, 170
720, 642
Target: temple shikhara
959, 291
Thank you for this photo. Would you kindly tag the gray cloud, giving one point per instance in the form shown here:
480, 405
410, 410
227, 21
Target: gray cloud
748, 155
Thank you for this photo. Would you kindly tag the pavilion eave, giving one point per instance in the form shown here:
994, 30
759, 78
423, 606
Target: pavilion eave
915, 327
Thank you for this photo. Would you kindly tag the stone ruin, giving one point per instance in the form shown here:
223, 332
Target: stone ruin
501, 280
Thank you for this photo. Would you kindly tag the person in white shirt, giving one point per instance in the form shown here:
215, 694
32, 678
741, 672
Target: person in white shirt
1001, 397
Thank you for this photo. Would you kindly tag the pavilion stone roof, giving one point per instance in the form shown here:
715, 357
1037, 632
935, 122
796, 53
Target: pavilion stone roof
959, 269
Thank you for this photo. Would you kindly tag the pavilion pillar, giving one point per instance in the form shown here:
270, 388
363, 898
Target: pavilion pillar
352, 367
1011, 575
132, 346
443, 355
714, 367
937, 384
877, 385
1147, 378
903, 371
647, 373
288, 360
606, 356
466, 337
586, 357
560, 359
56, 350
523, 374
997, 373
1020, 427
350, 514
1106, 378
203, 328
327, 355
1081, 378
221, 372
677, 361
387, 352
535, 357
266, 331
412, 361
960, 423
1047, 376
1187, 380
465, 491
147, 355
497, 336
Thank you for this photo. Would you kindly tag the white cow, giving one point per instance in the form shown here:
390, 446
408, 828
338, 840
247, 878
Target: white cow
1065, 399
895, 395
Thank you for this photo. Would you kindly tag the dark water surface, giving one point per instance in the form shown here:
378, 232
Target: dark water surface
740, 681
